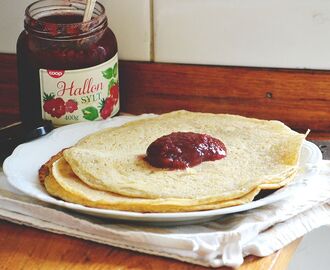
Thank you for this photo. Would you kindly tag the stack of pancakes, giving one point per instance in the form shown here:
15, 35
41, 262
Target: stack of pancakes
108, 169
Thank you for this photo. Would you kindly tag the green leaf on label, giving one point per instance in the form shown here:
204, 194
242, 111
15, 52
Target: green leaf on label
49, 96
108, 73
115, 70
90, 113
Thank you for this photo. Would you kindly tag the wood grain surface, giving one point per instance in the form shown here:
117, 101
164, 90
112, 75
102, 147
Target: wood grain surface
299, 98
8, 89
27, 248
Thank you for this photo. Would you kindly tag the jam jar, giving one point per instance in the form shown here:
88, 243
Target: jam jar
67, 68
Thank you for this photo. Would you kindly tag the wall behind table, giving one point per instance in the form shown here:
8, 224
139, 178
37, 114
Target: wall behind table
216, 38
273, 33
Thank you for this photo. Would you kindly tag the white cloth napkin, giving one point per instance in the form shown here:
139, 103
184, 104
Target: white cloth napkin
226, 241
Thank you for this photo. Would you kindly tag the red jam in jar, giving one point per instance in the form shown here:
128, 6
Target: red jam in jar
67, 68
180, 150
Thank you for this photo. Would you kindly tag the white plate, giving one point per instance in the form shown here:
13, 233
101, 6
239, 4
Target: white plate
22, 167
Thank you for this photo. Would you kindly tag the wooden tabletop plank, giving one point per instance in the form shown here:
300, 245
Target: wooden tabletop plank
299, 98
27, 248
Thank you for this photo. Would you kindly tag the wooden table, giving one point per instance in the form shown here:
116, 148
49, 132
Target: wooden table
27, 248
151, 88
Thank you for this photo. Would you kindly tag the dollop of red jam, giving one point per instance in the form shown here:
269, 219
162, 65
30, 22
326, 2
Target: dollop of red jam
180, 150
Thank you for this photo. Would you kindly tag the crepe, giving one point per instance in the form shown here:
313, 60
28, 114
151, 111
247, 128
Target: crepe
260, 155
61, 182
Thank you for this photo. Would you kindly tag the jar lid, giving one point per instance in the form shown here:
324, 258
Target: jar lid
13, 135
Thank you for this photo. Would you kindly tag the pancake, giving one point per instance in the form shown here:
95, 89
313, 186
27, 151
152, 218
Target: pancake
60, 181
260, 155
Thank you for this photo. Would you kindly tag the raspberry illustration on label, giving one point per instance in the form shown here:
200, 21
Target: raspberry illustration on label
71, 106
54, 106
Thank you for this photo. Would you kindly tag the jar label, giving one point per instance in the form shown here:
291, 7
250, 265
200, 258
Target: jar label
71, 96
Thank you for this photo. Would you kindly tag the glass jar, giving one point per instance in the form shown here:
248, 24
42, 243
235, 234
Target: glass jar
67, 69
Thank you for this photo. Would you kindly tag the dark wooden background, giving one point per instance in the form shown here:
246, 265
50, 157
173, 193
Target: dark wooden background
299, 98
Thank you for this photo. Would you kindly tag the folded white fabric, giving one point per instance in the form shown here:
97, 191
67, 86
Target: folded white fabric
259, 232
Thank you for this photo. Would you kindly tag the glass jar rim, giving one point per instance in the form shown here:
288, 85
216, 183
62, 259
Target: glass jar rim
43, 8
